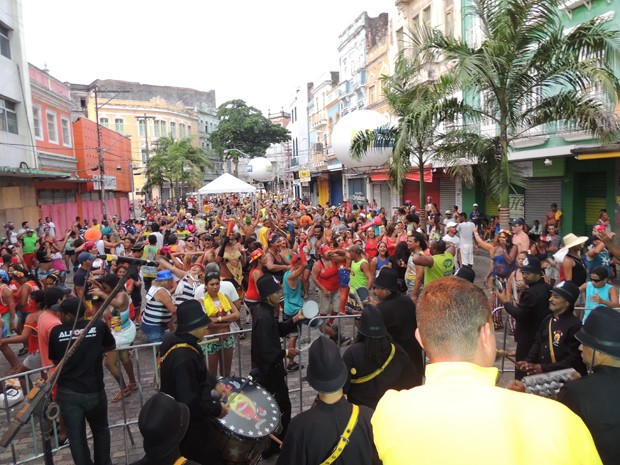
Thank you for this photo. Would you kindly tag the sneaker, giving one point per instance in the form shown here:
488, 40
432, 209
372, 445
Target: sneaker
292, 367
10, 397
346, 341
23, 351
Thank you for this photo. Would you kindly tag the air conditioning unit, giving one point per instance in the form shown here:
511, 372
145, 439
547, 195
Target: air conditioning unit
318, 147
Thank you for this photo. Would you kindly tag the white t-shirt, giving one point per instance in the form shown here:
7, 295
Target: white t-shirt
453, 240
52, 227
226, 287
466, 232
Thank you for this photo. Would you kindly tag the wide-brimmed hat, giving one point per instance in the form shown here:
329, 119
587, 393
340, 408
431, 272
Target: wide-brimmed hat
163, 423
387, 279
326, 369
163, 275
371, 323
601, 331
531, 264
570, 240
191, 316
267, 285
568, 290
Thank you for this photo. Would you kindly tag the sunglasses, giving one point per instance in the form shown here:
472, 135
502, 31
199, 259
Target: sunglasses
597, 280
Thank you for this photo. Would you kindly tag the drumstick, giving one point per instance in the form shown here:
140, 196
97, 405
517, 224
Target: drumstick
503, 353
276, 439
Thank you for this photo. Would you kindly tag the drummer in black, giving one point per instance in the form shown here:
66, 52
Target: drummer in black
375, 363
185, 377
333, 428
267, 352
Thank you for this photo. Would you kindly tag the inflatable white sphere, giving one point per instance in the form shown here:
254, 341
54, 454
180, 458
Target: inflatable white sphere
345, 131
260, 169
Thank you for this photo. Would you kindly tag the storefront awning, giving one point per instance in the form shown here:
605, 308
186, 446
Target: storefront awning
597, 152
598, 156
413, 175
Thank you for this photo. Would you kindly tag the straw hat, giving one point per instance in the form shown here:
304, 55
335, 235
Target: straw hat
570, 240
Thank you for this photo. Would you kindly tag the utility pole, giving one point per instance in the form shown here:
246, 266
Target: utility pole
96, 90
146, 119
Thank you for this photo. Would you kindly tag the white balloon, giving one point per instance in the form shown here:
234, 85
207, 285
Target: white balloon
260, 169
345, 131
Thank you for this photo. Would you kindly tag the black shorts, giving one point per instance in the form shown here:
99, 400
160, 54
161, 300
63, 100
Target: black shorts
69, 253
311, 262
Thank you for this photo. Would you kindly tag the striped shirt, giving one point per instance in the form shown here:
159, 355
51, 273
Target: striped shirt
155, 312
185, 290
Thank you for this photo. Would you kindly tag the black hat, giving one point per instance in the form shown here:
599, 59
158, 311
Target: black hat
568, 290
163, 422
326, 370
73, 306
466, 273
601, 331
191, 316
371, 324
387, 279
267, 285
531, 264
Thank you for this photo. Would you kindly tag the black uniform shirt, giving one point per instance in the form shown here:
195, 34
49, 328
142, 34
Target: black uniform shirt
83, 372
313, 434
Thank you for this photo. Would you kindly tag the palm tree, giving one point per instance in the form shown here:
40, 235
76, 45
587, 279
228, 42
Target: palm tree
421, 107
174, 162
528, 72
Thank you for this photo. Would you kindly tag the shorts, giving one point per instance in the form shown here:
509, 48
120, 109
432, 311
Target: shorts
329, 304
311, 262
467, 254
286, 318
69, 253
6, 324
33, 361
125, 337
212, 348
153, 333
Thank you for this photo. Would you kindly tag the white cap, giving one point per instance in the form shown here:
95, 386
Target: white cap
448, 212
451, 224
475, 205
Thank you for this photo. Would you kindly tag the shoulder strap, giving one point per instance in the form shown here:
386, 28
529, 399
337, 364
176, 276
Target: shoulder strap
176, 346
551, 350
378, 371
180, 461
344, 437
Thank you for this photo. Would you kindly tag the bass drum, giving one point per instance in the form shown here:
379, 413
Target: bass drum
243, 434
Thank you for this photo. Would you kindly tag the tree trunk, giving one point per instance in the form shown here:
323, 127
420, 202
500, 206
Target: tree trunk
422, 198
504, 217
236, 167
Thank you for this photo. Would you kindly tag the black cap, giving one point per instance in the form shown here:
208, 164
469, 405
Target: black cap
387, 279
267, 285
601, 331
568, 290
326, 370
73, 306
466, 273
371, 324
163, 422
531, 264
191, 316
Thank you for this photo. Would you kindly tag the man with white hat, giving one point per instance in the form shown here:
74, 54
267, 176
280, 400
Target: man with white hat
595, 397
333, 430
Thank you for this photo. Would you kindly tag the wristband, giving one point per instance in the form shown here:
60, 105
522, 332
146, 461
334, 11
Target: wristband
286, 353
219, 319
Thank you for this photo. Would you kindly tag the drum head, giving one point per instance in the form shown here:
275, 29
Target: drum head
253, 412
310, 309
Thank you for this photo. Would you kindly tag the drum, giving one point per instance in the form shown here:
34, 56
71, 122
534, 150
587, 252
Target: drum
311, 310
243, 434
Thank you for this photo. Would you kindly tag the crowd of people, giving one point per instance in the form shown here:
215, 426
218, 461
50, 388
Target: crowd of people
211, 270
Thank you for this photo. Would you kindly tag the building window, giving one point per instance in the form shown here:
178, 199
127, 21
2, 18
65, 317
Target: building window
189, 130
400, 40
426, 16
142, 127
145, 156
173, 130
38, 122
5, 44
8, 116
66, 131
105, 122
119, 125
449, 18
157, 128
163, 128
52, 126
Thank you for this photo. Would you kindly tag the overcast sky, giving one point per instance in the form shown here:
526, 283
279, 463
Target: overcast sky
259, 51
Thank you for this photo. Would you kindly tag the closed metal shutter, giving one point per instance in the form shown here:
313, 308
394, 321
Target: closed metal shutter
381, 192
595, 197
447, 194
55, 196
539, 195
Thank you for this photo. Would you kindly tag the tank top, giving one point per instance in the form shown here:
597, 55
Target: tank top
155, 312
591, 291
371, 248
277, 274
358, 278
381, 263
328, 277
185, 291
149, 253
293, 298
501, 267
252, 292
391, 245
579, 270
33, 339
4, 308
120, 320
31, 305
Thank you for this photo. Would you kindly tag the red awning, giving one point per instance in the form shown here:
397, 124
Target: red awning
413, 175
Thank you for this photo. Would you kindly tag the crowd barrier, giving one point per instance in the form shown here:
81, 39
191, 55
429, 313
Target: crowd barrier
27, 446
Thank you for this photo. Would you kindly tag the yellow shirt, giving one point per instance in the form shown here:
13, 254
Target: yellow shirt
262, 237
460, 417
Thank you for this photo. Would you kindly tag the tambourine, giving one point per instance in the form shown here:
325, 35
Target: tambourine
311, 310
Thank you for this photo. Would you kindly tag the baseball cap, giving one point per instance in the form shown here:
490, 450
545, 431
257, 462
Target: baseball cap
85, 256
517, 222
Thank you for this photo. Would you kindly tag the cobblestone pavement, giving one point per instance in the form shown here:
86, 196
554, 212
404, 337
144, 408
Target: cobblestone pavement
127, 442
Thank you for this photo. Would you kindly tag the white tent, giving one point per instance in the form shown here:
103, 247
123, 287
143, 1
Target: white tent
226, 184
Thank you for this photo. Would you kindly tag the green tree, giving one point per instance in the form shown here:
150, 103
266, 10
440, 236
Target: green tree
244, 129
526, 72
176, 162
421, 107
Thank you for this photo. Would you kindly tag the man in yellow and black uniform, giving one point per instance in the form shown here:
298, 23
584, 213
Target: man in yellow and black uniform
333, 430
185, 377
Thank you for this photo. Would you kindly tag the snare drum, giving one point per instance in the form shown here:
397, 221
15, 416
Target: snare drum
311, 310
243, 434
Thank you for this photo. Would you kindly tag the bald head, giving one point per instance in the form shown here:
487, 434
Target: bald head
450, 313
